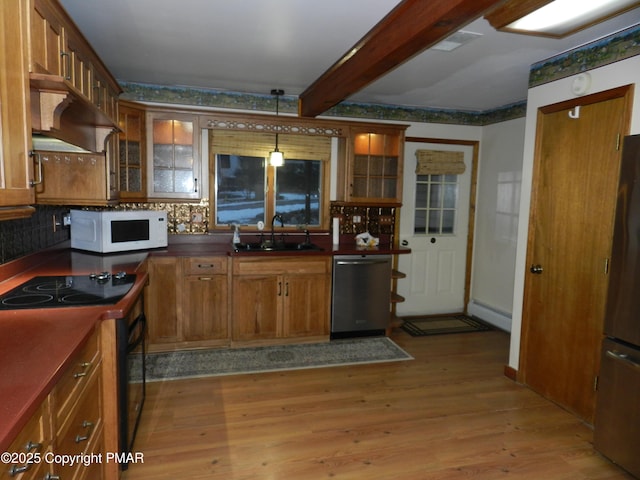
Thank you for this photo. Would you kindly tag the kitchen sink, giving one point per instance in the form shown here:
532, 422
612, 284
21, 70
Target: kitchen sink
277, 247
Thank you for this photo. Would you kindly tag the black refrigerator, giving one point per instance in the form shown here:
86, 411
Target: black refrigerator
617, 421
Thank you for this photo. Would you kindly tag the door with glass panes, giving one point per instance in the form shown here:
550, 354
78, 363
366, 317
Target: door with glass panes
434, 224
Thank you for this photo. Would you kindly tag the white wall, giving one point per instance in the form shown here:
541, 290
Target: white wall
497, 210
496, 229
605, 78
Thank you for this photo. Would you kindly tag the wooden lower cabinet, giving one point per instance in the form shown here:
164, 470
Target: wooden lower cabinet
33, 442
194, 302
70, 421
187, 302
204, 299
283, 298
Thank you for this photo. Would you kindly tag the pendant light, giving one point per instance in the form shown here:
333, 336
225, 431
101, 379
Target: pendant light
276, 158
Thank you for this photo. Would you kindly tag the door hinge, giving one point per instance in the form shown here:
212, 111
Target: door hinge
595, 383
606, 266
618, 142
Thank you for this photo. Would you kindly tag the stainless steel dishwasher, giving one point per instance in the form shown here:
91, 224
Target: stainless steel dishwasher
361, 295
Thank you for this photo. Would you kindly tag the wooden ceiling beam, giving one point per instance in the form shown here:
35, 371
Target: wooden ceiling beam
411, 27
512, 10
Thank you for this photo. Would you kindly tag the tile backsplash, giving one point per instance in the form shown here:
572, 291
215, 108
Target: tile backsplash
22, 237
29, 235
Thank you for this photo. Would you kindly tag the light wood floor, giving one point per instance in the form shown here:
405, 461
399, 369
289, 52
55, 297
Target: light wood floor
449, 414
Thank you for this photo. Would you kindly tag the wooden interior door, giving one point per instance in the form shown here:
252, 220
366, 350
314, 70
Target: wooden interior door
575, 181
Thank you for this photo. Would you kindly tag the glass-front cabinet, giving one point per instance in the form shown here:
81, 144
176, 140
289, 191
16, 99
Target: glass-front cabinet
132, 150
173, 152
373, 170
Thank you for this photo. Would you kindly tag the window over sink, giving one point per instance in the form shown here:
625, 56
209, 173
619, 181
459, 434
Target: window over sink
246, 190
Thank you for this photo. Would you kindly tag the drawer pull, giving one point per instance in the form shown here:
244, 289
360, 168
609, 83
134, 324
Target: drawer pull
15, 470
83, 365
82, 438
30, 446
49, 476
205, 279
205, 265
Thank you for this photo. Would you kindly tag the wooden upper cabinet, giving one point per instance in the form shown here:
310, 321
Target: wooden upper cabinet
16, 167
47, 40
373, 167
58, 48
132, 153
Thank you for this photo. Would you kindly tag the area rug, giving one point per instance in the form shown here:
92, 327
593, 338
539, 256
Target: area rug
234, 361
418, 327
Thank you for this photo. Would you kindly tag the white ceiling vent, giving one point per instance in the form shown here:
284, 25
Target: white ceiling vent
456, 40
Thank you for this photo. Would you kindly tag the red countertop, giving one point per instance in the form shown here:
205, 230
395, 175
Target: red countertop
37, 345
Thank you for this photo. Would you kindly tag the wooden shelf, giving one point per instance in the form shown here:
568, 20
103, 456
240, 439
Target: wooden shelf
395, 298
398, 274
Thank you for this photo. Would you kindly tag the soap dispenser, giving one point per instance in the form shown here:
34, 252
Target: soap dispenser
236, 233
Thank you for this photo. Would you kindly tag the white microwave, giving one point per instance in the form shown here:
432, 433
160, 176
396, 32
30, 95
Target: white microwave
118, 231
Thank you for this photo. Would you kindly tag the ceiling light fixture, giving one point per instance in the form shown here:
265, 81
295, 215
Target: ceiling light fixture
557, 18
276, 157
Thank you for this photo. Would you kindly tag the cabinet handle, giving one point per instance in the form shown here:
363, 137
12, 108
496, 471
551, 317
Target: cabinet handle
83, 365
96, 89
49, 476
30, 446
88, 425
205, 265
286, 289
38, 159
195, 185
279, 289
16, 470
205, 279
67, 65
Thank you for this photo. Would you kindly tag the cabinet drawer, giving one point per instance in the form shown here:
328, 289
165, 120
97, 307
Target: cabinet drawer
82, 428
33, 439
281, 266
67, 390
204, 265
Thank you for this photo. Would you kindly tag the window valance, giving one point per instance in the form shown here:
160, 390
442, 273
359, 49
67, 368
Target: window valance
254, 144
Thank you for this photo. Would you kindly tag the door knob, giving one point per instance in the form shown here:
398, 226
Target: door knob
537, 269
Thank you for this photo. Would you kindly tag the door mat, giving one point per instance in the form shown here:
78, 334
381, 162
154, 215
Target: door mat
234, 361
418, 327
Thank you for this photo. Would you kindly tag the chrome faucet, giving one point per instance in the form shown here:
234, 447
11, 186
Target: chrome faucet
277, 216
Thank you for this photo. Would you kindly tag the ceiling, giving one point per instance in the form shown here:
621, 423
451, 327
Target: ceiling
253, 46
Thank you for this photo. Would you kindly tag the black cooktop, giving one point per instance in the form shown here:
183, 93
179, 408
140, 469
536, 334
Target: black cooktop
68, 291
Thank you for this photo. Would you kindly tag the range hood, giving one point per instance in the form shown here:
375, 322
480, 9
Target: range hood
59, 112
43, 143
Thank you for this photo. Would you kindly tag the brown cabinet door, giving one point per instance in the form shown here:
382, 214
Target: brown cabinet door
16, 167
47, 41
306, 307
257, 306
204, 307
161, 303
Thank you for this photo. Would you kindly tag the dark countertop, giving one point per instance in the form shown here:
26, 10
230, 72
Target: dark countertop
37, 345
220, 244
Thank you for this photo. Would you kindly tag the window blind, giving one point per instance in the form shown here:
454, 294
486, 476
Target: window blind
298, 147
